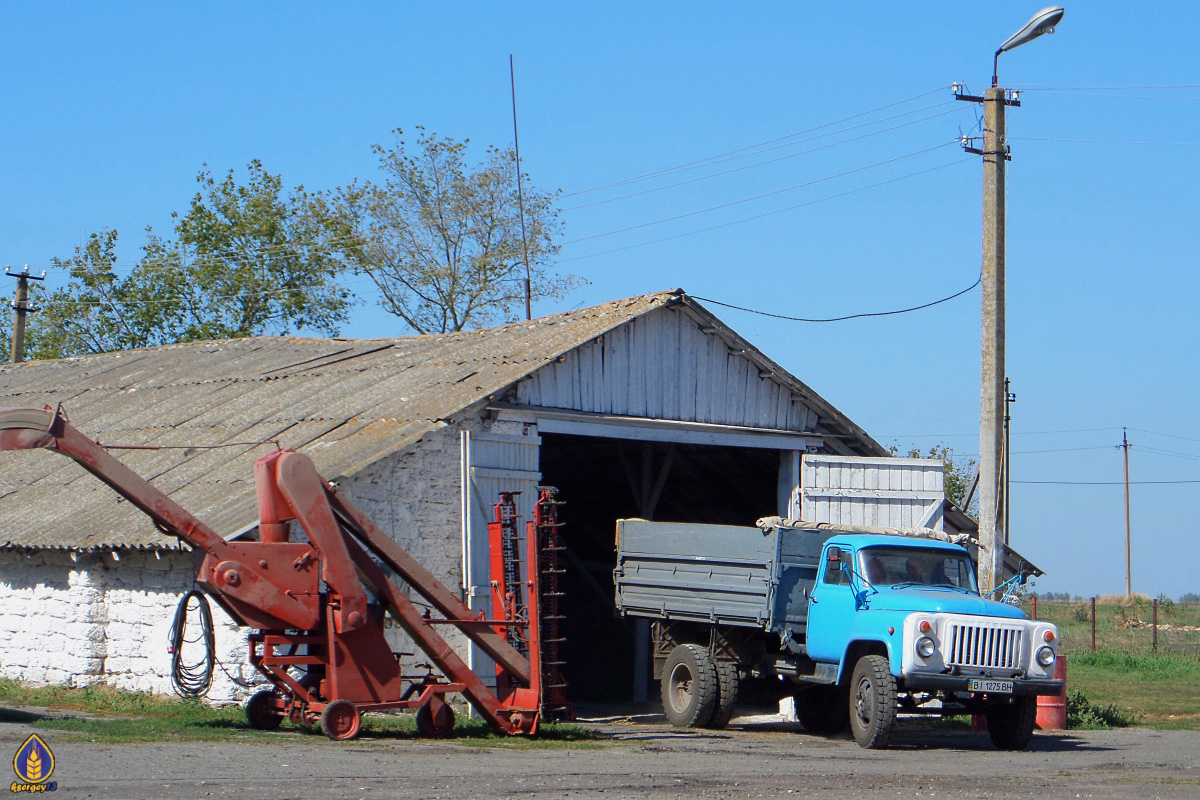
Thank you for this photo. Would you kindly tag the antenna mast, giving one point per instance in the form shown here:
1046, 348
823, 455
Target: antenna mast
520, 193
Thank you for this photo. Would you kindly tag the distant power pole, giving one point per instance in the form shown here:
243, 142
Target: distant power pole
1128, 546
20, 309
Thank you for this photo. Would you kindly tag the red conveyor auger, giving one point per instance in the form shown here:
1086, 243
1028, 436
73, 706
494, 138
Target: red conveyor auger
336, 631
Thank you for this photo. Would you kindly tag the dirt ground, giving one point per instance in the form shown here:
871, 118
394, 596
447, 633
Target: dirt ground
645, 759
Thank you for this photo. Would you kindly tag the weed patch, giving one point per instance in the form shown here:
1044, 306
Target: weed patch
1085, 715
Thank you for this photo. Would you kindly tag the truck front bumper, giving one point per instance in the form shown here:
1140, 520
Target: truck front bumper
958, 683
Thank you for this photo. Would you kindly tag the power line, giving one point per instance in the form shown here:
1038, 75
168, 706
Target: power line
1014, 433
1105, 483
779, 158
1168, 435
707, 160
760, 196
1169, 453
1049, 87
842, 319
1102, 141
1032, 452
1068, 93
765, 214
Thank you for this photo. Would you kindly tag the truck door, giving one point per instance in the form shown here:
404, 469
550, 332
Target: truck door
831, 607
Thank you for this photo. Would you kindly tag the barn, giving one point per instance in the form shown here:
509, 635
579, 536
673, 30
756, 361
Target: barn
648, 406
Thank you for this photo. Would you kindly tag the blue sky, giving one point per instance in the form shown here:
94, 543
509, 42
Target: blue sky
111, 110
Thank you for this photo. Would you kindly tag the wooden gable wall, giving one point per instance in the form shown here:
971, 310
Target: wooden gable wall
663, 365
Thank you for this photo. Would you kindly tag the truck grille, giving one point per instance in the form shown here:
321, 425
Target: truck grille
978, 646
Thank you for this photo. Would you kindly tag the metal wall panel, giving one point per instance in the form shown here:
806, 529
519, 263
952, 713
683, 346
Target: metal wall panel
707, 573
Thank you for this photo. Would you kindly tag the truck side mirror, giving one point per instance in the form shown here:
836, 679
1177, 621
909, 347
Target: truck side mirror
833, 555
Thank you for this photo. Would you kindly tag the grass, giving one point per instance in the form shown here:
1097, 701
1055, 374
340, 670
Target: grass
1160, 691
1122, 626
1126, 675
121, 717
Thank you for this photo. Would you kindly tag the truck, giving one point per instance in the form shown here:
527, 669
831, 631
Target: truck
857, 624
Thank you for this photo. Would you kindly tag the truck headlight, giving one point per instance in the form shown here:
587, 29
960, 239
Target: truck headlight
926, 647
1045, 656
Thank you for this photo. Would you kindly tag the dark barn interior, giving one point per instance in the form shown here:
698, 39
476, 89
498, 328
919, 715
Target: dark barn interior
602, 480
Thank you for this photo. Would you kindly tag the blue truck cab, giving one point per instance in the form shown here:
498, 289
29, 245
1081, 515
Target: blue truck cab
856, 626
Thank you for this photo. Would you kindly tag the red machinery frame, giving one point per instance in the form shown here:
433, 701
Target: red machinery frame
275, 586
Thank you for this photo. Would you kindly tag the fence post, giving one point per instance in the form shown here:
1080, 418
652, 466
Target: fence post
1154, 606
1093, 624
1035, 607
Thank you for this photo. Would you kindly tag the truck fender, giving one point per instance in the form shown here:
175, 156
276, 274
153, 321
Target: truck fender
858, 648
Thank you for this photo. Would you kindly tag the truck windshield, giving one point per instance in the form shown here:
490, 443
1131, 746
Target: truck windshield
917, 566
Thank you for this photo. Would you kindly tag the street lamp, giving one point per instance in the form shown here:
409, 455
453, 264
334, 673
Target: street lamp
993, 521
1042, 22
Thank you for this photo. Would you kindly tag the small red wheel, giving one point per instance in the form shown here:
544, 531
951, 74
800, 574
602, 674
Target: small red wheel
341, 721
435, 723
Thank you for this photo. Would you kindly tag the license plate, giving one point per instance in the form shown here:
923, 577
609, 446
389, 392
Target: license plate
991, 687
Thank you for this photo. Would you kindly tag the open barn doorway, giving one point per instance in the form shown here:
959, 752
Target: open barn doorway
603, 480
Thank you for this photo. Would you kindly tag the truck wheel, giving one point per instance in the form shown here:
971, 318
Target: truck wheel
872, 702
261, 712
823, 709
727, 694
689, 686
1011, 725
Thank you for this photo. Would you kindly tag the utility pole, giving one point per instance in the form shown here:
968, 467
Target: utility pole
20, 309
993, 514
993, 390
1128, 546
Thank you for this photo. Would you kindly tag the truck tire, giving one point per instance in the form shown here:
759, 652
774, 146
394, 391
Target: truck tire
822, 709
872, 702
727, 694
1011, 725
689, 687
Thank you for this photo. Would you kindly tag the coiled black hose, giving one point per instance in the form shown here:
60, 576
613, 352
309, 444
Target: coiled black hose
192, 680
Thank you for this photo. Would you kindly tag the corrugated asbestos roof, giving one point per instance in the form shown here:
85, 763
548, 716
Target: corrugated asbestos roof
345, 403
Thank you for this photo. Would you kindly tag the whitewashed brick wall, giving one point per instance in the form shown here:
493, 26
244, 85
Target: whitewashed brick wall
96, 620
415, 497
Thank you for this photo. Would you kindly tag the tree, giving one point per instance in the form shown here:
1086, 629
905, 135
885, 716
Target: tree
98, 310
442, 240
254, 261
244, 260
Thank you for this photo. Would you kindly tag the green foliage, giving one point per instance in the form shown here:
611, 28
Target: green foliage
1084, 715
1190, 597
1081, 613
244, 260
255, 262
442, 240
